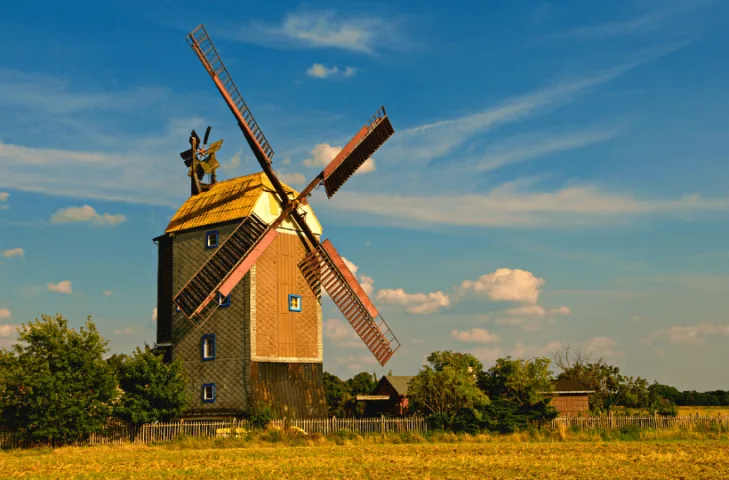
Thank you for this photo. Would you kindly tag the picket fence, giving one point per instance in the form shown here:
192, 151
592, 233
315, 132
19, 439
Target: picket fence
119, 433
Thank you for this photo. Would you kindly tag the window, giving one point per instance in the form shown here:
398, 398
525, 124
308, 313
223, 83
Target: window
223, 301
294, 303
208, 392
207, 348
211, 239
177, 308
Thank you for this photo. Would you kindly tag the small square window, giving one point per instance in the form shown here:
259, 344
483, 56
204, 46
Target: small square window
207, 349
211, 239
294, 303
208, 392
223, 301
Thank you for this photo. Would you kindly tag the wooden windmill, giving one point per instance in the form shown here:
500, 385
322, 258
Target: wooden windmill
270, 252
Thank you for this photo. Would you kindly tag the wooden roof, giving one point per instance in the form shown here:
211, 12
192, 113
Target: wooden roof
226, 201
567, 385
399, 383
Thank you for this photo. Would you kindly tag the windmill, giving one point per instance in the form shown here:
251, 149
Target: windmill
322, 266
201, 160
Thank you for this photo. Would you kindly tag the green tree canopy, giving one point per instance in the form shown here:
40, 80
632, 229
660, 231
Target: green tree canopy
337, 394
57, 387
447, 387
152, 389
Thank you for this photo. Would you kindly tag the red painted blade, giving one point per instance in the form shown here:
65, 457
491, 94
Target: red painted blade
361, 147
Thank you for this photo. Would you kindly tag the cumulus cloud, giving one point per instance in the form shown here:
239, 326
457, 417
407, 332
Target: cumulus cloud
123, 331
14, 252
687, 334
86, 213
5, 313
367, 283
506, 284
320, 71
475, 335
341, 333
233, 163
293, 178
60, 287
415, 303
602, 347
324, 153
357, 362
8, 331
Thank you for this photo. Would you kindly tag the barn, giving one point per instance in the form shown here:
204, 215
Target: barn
263, 344
571, 398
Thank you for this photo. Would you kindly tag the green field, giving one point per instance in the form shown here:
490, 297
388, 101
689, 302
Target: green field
478, 458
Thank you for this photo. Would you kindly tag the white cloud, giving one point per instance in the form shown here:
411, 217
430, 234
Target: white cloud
367, 284
506, 284
487, 355
60, 287
323, 29
107, 293
342, 334
292, 178
124, 331
154, 314
522, 350
691, 334
357, 362
4, 196
5, 313
14, 252
475, 335
86, 213
8, 331
415, 303
324, 153
233, 163
538, 311
601, 347
318, 70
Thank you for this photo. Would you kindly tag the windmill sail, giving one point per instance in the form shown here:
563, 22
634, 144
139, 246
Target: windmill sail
325, 267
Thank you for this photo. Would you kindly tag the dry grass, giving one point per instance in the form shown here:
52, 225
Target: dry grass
562, 456
710, 411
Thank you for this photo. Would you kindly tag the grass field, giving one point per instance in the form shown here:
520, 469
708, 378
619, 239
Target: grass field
711, 411
472, 457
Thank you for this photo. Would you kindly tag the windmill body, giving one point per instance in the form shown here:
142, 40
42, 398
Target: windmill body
264, 341
242, 269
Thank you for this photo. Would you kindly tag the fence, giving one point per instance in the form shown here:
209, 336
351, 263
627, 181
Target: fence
119, 433
648, 422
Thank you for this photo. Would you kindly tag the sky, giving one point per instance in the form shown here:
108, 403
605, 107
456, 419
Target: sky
557, 176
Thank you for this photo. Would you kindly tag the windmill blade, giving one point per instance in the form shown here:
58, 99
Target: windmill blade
324, 267
208, 55
187, 157
207, 135
357, 151
193, 135
227, 267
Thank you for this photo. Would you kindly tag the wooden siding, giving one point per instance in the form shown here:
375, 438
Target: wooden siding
230, 326
279, 333
164, 290
294, 390
570, 405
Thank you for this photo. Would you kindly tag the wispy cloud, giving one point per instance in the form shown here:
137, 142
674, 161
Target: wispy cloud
647, 23
321, 29
691, 334
5, 314
506, 206
528, 146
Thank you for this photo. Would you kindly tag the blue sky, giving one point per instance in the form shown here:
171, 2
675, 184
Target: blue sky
558, 173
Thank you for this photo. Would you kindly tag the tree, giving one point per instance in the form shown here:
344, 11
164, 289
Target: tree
337, 394
57, 387
447, 388
519, 392
361, 384
610, 386
152, 389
